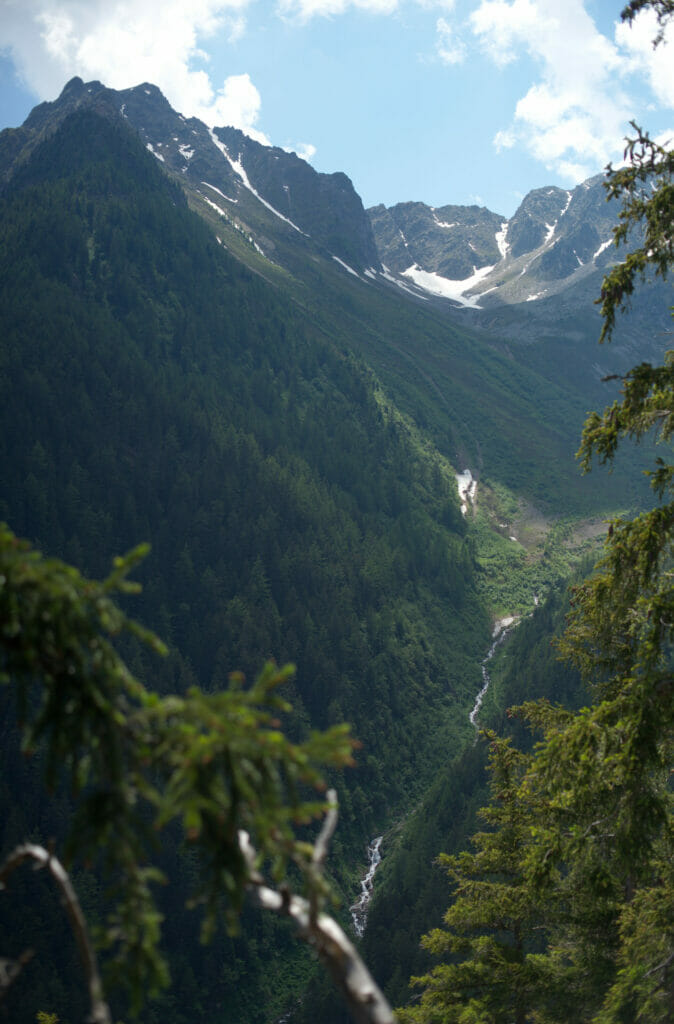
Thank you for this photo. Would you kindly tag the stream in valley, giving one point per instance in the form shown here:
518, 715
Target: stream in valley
360, 907
501, 630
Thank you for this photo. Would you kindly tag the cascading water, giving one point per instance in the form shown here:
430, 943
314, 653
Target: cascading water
500, 632
359, 908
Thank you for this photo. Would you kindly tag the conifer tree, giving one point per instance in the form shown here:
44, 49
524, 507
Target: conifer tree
492, 923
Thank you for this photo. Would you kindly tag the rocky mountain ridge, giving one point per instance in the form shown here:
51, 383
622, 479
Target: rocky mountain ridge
519, 280
264, 192
556, 239
283, 208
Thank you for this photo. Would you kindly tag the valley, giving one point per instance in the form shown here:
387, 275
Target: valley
342, 458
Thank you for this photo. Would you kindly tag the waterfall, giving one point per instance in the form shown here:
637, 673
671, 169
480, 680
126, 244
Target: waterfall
359, 908
501, 629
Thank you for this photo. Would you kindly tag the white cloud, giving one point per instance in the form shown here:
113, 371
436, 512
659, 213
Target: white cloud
450, 48
504, 139
656, 64
574, 117
237, 103
125, 42
304, 150
304, 10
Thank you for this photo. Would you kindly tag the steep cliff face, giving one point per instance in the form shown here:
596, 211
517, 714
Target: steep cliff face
325, 207
452, 241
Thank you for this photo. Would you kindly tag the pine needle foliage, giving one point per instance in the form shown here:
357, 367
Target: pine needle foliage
213, 764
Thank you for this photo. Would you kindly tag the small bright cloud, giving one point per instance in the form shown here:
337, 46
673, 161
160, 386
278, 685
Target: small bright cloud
125, 42
504, 139
304, 150
450, 48
237, 103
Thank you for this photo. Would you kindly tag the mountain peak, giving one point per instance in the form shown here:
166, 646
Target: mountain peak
259, 190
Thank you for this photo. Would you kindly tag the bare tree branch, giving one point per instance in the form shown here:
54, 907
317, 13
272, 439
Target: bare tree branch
11, 969
100, 1013
363, 996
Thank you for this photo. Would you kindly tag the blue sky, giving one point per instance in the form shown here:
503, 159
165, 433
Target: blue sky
445, 101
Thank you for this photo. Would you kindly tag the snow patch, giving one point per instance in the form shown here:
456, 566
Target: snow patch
208, 185
185, 152
388, 276
445, 287
214, 206
467, 490
346, 266
537, 295
148, 145
501, 237
370, 272
444, 224
602, 247
551, 231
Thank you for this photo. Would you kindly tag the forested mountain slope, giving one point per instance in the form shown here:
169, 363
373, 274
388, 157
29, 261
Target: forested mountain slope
153, 388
